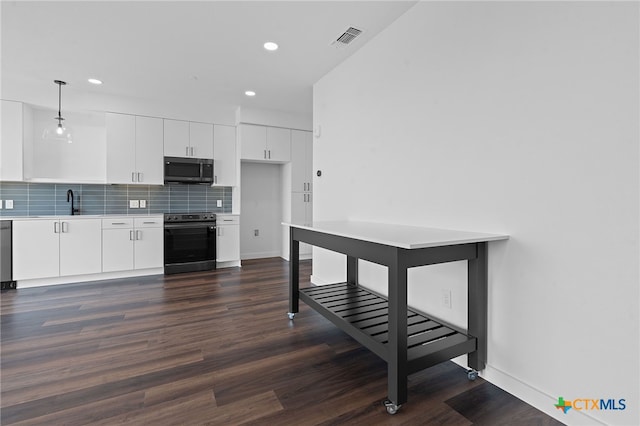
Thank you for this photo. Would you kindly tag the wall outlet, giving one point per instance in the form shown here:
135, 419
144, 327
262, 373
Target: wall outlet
8, 204
219, 203
446, 298
143, 204
256, 233
133, 204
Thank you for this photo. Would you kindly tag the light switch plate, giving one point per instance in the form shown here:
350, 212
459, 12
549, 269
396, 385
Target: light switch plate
143, 204
8, 204
133, 204
219, 203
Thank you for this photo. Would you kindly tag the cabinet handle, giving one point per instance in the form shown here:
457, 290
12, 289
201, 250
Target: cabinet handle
265, 154
133, 176
269, 154
138, 235
56, 227
186, 151
131, 236
149, 223
215, 178
65, 228
140, 176
118, 223
192, 151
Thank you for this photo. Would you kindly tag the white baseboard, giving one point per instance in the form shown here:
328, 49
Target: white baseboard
89, 277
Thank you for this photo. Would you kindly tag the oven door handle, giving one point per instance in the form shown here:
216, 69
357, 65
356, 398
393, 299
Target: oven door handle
189, 225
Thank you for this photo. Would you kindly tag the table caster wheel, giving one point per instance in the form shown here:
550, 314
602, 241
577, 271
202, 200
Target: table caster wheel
391, 407
472, 375
291, 315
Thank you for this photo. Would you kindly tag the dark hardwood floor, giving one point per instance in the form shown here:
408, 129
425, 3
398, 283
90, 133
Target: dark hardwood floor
211, 348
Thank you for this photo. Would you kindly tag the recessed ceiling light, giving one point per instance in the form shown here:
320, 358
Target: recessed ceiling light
94, 81
250, 93
271, 46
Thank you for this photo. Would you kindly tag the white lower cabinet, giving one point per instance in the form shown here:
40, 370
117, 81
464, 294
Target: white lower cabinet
80, 247
36, 249
117, 244
148, 247
132, 243
47, 248
227, 238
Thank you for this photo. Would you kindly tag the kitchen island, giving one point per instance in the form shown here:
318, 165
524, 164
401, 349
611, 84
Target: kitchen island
407, 340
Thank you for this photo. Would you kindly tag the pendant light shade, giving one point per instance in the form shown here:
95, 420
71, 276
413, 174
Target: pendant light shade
59, 131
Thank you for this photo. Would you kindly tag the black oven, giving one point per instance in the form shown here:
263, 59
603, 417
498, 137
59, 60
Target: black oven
189, 242
188, 170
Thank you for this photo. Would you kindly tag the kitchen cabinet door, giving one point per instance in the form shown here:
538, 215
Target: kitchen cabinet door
11, 142
149, 245
149, 151
253, 142
121, 148
201, 140
36, 249
227, 238
301, 161
278, 144
225, 165
176, 138
80, 246
117, 249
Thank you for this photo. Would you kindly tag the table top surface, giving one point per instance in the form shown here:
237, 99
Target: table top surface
403, 236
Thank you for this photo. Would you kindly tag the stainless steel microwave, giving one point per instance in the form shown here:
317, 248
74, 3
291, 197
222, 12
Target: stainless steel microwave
188, 170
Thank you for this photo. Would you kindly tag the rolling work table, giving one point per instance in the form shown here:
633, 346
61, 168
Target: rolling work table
407, 340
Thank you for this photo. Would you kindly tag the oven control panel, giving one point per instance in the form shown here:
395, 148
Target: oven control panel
189, 217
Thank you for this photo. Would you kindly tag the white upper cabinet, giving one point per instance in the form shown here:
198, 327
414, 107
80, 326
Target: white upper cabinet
176, 138
278, 144
201, 140
253, 141
134, 149
11, 142
301, 161
149, 156
188, 139
121, 148
261, 143
225, 165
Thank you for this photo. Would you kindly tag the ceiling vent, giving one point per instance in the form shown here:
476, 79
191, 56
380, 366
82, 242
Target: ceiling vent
346, 37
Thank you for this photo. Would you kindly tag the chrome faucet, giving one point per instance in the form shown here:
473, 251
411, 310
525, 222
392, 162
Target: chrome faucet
70, 195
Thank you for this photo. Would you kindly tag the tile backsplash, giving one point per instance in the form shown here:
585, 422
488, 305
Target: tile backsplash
41, 199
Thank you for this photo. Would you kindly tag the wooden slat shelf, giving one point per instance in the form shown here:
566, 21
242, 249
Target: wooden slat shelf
364, 316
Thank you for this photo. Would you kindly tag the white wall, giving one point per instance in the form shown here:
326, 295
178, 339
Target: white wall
275, 118
509, 117
45, 94
261, 200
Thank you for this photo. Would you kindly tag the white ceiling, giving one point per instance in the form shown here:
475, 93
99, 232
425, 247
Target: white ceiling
203, 51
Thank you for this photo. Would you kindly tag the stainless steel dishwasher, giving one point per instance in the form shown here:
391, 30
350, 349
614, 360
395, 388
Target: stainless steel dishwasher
6, 277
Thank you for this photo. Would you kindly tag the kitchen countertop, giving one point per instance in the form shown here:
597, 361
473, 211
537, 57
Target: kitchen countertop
80, 216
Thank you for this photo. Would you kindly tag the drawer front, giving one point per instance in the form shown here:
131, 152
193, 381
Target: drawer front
116, 223
149, 222
222, 219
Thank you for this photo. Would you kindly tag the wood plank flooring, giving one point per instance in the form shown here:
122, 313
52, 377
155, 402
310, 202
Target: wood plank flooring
211, 348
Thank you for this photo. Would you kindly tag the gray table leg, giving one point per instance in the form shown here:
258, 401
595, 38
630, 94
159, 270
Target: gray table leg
294, 274
477, 306
397, 360
352, 270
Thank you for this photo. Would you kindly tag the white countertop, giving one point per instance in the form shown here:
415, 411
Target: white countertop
404, 236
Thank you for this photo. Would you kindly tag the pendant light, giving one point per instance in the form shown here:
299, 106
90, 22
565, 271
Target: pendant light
59, 132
